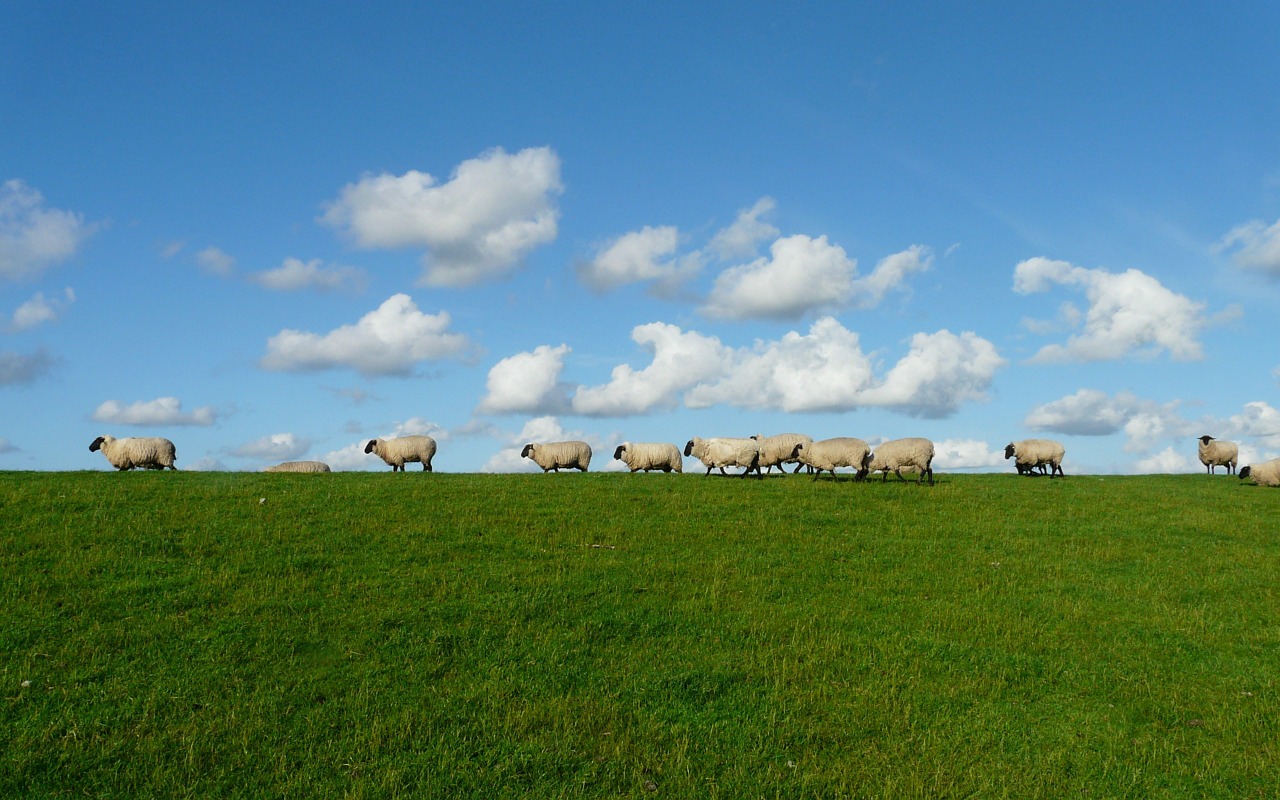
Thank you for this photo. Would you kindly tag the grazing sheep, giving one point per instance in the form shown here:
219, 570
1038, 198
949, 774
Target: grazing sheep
398, 452
1265, 474
145, 452
900, 454
554, 455
827, 454
299, 466
778, 450
1032, 453
1218, 453
725, 452
650, 455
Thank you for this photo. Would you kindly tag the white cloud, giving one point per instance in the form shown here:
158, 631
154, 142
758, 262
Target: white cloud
966, 454
1166, 461
494, 210
1130, 313
803, 275
161, 411
38, 310
527, 383
213, 261
680, 360
823, 370
19, 368
1259, 246
1259, 420
295, 274
1090, 412
276, 447
746, 234
353, 458
646, 255
33, 238
389, 340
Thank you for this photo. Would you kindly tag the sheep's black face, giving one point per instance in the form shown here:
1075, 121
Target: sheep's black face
1206, 439
617, 454
368, 448
97, 444
528, 448
795, 451
1008, 451
688, 448
1244, 472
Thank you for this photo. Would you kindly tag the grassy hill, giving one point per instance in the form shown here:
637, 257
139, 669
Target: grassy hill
411, 635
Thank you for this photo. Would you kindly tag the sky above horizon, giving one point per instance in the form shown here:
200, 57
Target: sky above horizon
270, 236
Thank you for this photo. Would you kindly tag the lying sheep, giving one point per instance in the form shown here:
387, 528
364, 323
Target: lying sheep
725, 452
554, 455
299, 466
1265, 474
1218, 453
1032, 453
650, 455
899, 454
778, 450
827, 454
397, 452
145, 452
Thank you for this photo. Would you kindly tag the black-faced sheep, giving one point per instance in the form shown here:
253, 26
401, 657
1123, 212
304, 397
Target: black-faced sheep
825, 455
551, 456
1218, 453
144, 452
725, 452
650, 455
1032, 453
397, 452
1265, 474
899, 454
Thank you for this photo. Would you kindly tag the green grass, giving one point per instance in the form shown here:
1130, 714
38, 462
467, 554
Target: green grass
601, 635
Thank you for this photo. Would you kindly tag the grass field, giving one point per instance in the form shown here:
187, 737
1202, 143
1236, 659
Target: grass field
599, 635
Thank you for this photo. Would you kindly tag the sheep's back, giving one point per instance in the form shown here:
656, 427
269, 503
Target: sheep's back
898, 453
840, 451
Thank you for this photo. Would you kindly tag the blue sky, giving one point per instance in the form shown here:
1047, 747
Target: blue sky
271, 236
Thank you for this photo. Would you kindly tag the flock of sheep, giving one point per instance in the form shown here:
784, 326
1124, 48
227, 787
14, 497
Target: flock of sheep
759, 454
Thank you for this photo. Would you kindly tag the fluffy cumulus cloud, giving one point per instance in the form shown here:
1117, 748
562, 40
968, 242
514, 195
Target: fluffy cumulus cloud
1256, 247
951, 454
1259, 420
161, 411
389, 340
1130, 313
822, 370
276, 447
295, 274
478, 226
802, 275
39, 310
1090, 412
32, 237
1166, 461
19, 368
680, 360
527, 383
644, 256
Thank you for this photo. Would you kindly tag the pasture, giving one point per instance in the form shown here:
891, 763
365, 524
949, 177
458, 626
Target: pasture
603, 635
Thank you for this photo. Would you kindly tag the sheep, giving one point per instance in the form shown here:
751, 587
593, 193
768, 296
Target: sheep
148, 452
778, 450
650, 455
726, 452
299, 466
899, 454
397, 452
827, 454
1032, 453
1265, 474
554, 455
1218, 453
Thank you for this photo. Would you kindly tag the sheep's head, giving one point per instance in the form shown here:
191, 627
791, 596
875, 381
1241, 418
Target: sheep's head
99, 442
688, 448
795, 451
1206, 439
528, 448
368, 448
1244, 472
617, 453
1008, 450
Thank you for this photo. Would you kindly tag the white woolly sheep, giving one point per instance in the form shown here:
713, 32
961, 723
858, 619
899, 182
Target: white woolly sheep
827, 454
1031, 453
778, 450
145, 452
725, 452
299, 466
551, 456
1218, 453
650, 455
1265, 474
899, 454
397, 452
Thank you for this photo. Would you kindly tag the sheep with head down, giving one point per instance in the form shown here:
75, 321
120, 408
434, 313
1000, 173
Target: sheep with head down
141, 452
403, 450
649, 456
552, 456
1265, 474
298, 466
